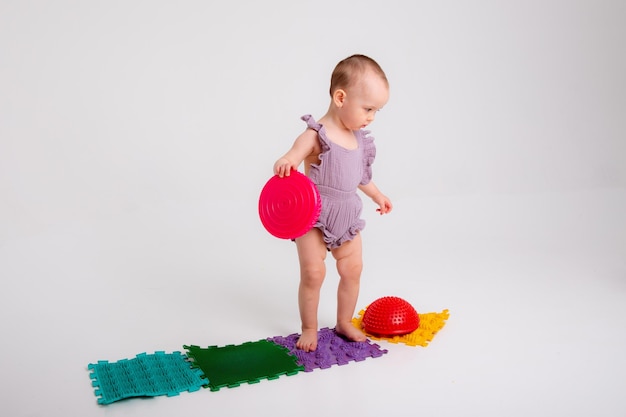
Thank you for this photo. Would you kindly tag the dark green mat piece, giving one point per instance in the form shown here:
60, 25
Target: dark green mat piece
231, 365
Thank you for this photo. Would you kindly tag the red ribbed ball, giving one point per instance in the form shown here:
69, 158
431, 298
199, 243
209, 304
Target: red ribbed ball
390, 316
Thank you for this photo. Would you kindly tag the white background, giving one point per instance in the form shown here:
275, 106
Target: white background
135, 137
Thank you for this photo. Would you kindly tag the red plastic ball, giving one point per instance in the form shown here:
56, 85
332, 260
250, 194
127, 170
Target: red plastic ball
390, 316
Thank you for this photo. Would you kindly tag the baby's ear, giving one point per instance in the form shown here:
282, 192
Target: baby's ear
339, 96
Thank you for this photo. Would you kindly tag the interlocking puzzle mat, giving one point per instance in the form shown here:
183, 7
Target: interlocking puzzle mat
332, 349
232, 365
147, 375
430, 324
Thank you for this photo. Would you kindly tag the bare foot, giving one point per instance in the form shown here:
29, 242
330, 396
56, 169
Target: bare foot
308, 340
349, 331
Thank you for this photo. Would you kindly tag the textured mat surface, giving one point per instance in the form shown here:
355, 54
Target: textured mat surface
232, 365
146, 375
331, 350
429, 325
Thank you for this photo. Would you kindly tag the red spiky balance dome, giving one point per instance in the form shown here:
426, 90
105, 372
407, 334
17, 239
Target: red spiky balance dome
289, 206
390, 316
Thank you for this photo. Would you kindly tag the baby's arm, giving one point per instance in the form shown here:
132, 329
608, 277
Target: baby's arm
371, 190
305, 145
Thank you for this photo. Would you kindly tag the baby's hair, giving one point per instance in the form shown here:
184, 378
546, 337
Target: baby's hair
348, 70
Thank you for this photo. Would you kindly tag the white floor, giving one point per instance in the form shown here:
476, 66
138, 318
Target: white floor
535, 285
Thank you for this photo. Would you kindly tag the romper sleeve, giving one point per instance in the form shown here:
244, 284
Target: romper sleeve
369, 154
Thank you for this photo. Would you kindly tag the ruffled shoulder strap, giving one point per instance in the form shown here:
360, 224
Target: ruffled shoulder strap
311, 123
319, 128
314, 172
369, 154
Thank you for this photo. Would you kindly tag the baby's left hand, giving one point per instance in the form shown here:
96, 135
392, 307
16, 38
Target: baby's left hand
384, 204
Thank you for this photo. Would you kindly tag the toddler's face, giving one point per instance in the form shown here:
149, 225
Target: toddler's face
363, 100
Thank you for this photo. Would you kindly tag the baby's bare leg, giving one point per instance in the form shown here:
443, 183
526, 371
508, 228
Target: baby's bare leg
311, 254
349, 266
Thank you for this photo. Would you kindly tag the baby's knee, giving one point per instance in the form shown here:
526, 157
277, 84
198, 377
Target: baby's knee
350, 269
312, 274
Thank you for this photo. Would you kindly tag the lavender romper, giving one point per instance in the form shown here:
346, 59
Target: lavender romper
337, 177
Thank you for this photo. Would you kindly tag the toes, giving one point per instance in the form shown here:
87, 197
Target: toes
306, 346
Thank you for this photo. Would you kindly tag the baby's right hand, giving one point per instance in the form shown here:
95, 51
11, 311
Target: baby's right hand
283, 167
